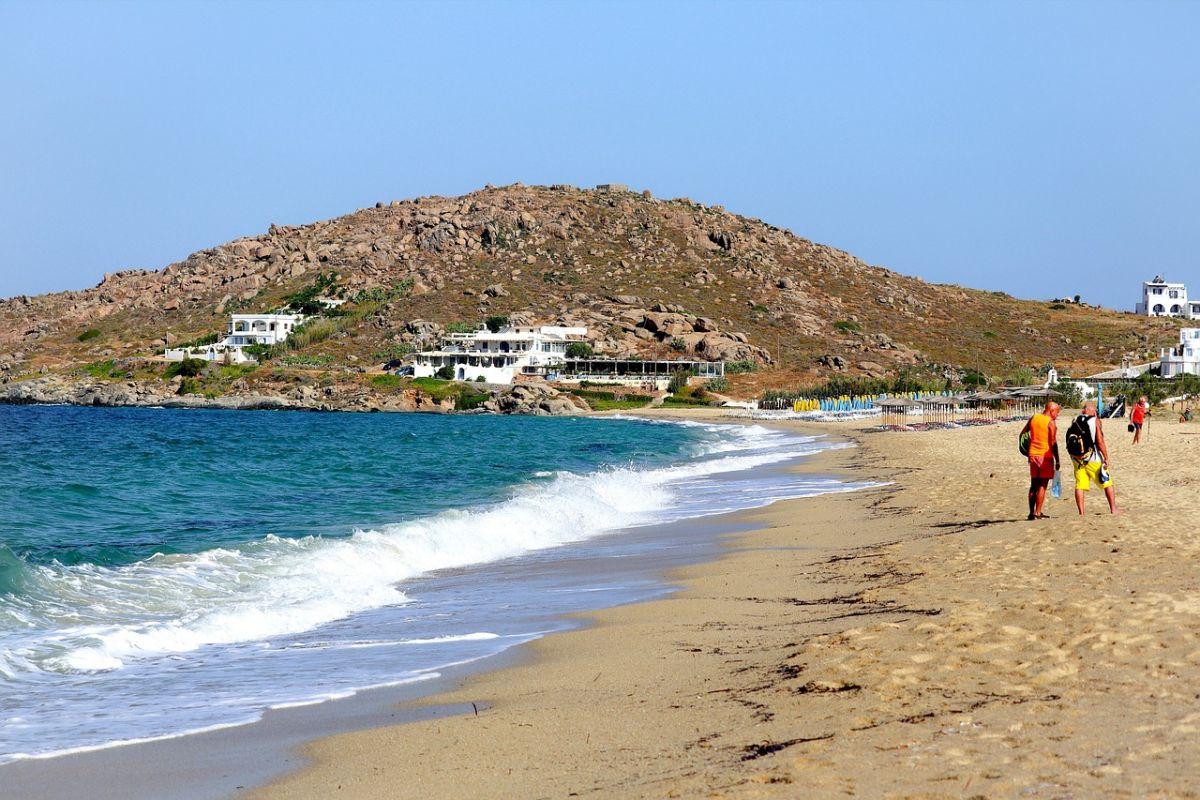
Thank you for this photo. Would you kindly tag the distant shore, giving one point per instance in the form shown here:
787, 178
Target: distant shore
344, 396
919, 639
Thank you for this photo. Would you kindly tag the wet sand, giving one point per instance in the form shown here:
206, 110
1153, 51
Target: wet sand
916, 640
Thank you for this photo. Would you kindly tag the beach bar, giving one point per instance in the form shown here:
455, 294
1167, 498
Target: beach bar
632, 372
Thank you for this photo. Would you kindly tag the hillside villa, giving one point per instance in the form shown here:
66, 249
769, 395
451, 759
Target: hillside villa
498, 356
244, 329
1183, 358
501, 356
1162, 299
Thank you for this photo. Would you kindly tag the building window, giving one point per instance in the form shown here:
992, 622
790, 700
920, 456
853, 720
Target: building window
1158, 308
1175, 309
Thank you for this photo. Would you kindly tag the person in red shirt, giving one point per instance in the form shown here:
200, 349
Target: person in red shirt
1137, 417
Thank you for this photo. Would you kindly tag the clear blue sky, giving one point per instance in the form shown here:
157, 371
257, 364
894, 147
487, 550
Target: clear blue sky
1042, 148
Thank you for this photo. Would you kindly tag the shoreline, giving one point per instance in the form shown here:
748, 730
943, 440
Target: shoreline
479, 693
251, 753
916, 639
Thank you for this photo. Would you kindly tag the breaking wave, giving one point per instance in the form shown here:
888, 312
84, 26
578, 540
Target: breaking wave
86, 618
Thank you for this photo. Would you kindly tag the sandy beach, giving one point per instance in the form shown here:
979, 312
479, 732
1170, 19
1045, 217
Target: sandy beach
920, 639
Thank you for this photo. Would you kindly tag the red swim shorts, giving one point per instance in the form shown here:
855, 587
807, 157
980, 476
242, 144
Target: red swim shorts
1041, 466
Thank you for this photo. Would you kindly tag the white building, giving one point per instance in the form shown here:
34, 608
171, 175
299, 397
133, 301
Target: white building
244, 329
1184, 357
1162, 299
500, 356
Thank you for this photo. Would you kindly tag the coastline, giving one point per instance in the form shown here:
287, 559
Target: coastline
917, 639
217, 762
545, 667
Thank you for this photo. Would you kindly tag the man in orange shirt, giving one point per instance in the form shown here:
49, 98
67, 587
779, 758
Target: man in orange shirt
1043, 456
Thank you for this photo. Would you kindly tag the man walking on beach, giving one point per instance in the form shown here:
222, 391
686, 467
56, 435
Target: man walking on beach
1137, 417
1086, 437
1043, 456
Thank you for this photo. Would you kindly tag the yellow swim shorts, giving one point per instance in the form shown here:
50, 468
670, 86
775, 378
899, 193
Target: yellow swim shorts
1088, 471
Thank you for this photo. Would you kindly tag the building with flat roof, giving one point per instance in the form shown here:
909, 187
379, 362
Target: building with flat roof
498, 356
1163, 299
543, 352
1183, 358
244, 330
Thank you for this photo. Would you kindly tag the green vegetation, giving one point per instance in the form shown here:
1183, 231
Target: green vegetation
192, 386
378, 295
989, 334
1019, 376
435, 388
759, 308
188, 368
579, 350
973, 378
306, 361
469, 399
1068, 393
90, 333
105, 369
312, 332
233, 372
444, 374
202, 341
1057, 306
395, 352
847, 326
465, 397
305, 301
306, 333
495, 323
679, 381
716, 385
385, 382
682, 395
685, 401
460, 327
615, 400
1155, 389
738, 367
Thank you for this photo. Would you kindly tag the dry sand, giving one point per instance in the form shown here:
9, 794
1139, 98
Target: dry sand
917, 640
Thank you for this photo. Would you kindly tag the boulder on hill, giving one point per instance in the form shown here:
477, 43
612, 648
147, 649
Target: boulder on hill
534, 400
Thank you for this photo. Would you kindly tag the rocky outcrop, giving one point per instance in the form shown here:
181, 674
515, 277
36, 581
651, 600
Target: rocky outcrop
650, 278
60, 390
534, 400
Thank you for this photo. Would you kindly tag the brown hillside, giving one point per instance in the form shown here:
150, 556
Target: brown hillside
715, 284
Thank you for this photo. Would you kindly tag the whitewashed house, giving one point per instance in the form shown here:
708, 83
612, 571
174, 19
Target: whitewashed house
1163, 299
244, 329
1184, 358
498, 357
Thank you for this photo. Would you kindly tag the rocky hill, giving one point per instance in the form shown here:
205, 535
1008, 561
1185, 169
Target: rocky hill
649, 277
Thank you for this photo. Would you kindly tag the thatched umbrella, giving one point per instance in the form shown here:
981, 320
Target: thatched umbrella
1039, 393
941, 406
895, 410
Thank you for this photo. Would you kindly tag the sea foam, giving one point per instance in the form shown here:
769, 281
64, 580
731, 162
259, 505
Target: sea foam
89, 618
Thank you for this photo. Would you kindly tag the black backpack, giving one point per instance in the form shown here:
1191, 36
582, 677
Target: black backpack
1079, 439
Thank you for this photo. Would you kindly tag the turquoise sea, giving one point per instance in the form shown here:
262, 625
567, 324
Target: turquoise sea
167, 571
